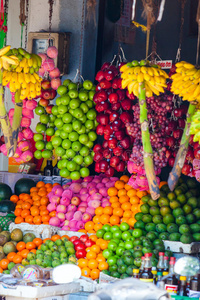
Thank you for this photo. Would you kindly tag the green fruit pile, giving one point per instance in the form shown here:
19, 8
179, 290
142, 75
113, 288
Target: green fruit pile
126, 247
53, 254
74, 118
175, 216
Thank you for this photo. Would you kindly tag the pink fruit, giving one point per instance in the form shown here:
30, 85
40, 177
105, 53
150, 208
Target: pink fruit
76, 201
86, 217
100, 185
109, 184
54, 73
25, 122
43, 56
92, 191
94, 203
83, 191
48, 65
27, 113
105, 180
103, 191
196, 164
49, 195
65, 228
59, 191
72, 223
65, 201
4, 149
75, 187
54, 221
55, 83
81, 209
80, 225
61, 209
24, 104
78, 216
67, 193
91, 185
84, 184
28, 133
41, 72
84, 204
97, 196
69, 215
52, 52
54, 199
18, 153
51, 206
84, 197
61, 216
105, 203
23, 146
26, 156
11, 113
90, 210
72, 208
31, 104
87, 179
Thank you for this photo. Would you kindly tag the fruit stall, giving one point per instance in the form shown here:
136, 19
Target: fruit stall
102, 186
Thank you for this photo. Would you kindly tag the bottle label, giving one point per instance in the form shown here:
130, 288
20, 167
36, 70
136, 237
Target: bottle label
194, 294
147, 279
171, 289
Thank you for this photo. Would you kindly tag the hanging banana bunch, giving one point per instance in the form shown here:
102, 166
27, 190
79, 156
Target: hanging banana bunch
153, 77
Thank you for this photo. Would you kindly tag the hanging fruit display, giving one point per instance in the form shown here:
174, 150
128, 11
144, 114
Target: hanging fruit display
114, 107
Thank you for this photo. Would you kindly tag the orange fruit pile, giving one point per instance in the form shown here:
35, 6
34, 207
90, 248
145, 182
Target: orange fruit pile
32, 208
94, 263
125, 203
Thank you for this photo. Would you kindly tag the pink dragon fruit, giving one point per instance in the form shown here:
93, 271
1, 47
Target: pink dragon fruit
26, 156
23, 145
27, 113
28, 133
4, 149
25, 122
31, 104
18, 153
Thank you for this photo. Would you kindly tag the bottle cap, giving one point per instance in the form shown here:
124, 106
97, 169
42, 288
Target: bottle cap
166, 257
143, 257
136, 271
172, 262
148, 255
165, 273
183, 277
172, 258
154, 272
161, 253
159, 273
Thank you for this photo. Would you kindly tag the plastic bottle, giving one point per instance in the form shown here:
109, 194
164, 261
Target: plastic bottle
154, 272
171, 283
48, 170
160, 265
135, 273
194, 291
56, 171
182, 286
142, 264
159, 282
146, 274
166, 264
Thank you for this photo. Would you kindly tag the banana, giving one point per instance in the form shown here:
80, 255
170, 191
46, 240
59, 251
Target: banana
126, 82
124, 68
144, 70
197, 91
196, 137
188, 66
30, 62
21, 78
147, 77
32, 78
34, 60
26, 69
19, 69
38, 87
38, 60
140, 77
150, 71
23, 63
180, 63
156, 72
153, 89
37, 77
131, 86
27, 77
4, 50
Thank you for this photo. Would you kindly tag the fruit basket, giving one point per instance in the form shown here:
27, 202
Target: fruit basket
179, 247
42, 231
6, 220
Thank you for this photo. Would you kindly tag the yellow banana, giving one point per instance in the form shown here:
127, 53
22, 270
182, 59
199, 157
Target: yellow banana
140, 77
20, 77
131, 86
188, 66
147, 77
150, 71
37, 77
153, 89
30, 62
32, 78
144, 70
4, 50
180, 64
18, 69
156, 72
197, 91
26, 69
124, 68
125, 82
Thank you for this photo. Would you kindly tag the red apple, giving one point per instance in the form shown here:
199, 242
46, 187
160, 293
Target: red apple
177, 134
109, 75
103, 119
197, 153
98, 156
99, 76
114, 116
45, 84
114, 161
105, 84
112, 143
113, 98
126, 117
110, 172
187, 169
125, 143
105, 66
49, 108
43, 102
130, 96
97, 167
108, 130
121, 166
171, 161
117, 125
126, 104
170, 141
97, 148
76, 201
46, 94
53, 94
119, 134
103, 165
100, 129
125, 156
118, 151
121, 94
115, 106
105, 144
190, 154
107, 153
100, 107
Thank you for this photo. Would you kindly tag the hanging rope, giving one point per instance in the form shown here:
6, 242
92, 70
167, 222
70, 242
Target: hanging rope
178, 54
81, 39
22, 18
26, 24
51, 3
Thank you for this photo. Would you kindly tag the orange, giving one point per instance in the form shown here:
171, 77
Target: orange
44, 200
94, 274
100, 258
33, 194
91, 254
125, 178
116, 204
108, 210
29, 219
14, 198
37, 220
40, 184
134, 200
134, 208
20, 246
36, 202
162, 183
119, 184
46, 218
85, 272
121, 192
4, 263
19, 220
42, 193
95, 248
82, 230
131, 193
21, 196
131, 222
17, 259
92, 263
44, 212
48, 185
30, 245
104, 219
97, 226
25, 213
123, 199
55, 237
10, 256
89, 225
34, 250
103, 244
33, 189
96, 219
26, 197
82, 262
35, 212
126, 206
127, 214
124, 220
29, 201
140, 194
103, 265
91, 231
93, 237
114, 220
127, 187
37, 241
24, 253
17, 212
52, 213
42, 207
56, 183
113, 199
118, 211
99, 210
112, 191
1, 270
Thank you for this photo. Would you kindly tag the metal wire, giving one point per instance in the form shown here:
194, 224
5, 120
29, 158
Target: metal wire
6, 3
51, 2
81, 39
26, 24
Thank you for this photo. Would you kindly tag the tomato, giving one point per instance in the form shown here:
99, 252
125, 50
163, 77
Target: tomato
83, 238
80, 254
73, 238
89, 243
80, 246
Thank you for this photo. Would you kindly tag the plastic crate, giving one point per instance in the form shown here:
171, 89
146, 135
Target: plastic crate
6, 220
179, 247
183, 298
41, 231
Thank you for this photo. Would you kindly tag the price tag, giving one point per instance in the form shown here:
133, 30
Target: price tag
165, 64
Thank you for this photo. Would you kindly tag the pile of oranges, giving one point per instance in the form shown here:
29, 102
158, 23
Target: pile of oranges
94, 263
125, 203
32, 208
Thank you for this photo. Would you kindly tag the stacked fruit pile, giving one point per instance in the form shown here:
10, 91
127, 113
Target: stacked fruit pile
175, 216
32, 208
45, 128
75, 203
124, 204
75, 120
113, 106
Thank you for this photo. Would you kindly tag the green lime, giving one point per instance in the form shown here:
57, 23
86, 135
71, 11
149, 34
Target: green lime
137, 262
129, 260
106, 227
181, 220
172, 227
126, 235
163, 201
115, 274
164, 236
196, 212
153, 202
157, 219
161, 227
171, 196
106, 272
107, 253
190, 218
196, 237
111, 260
112, 246
165, 210
182, 198
137, 253
184, 187
139, 224
184, 228
137, 233
107, 236
147, 218
174, 236
144, 208
151, 235
114, 228
165, 188
187, 209
11, 265
122, 269
195, 228
168, 218
186, 238
177, 212
117, 234
150, 227
124, 226
191, 182
125, 275
138, 216
138, 247
119, 251
129, 270
137, 242
174, 204
192, 201
154, 210
178, 191
113, 268
145, 199
188, 195
100, 233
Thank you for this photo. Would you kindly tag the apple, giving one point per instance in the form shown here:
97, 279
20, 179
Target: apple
110, 172
76, 201
103, 165
171, 161
109, 75
197, 153
107, 153
121, 94
100, 129
119, 134
181, 123
105, 84
87, 85
126, 104
125, 117
125, 143
190, 154
105, 66
117, 125
112, 143
49, 109
105, 144
118, 151
98, 156
97, 167
114, 69
46, 94
114, 116
100, 96
177, 134
107, 137
97, 148
99, 76
130, 96
114, 161
115, 106
108, 130
170, 141
45, 84
43, 102
125, 156
100, 107
103, 119
115, 84
121, 166
187, 169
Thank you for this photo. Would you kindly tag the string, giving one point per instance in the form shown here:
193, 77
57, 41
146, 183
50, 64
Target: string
22, 32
